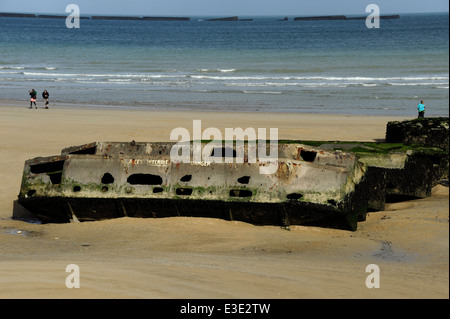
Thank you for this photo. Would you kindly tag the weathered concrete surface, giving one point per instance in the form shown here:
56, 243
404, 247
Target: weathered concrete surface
426, 132
390, 182
430, 132
395, 172
107, 180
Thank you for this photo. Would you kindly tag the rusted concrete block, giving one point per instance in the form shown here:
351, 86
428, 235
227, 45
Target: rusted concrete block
104, 180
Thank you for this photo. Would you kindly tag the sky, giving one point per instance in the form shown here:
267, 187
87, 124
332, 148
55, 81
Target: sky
223, 7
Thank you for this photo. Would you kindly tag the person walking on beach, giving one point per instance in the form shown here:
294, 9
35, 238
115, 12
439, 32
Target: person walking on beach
33, 98
45, 96
421, 110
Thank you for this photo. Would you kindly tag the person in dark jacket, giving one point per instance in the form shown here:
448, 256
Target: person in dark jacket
45, 96
33, 98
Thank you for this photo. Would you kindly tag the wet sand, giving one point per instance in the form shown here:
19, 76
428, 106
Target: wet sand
192, 258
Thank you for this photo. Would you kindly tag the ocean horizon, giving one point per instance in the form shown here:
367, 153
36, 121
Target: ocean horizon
262, 65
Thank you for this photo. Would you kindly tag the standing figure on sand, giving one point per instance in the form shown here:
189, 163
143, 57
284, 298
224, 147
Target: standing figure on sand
33, 98
45, 96
421, 109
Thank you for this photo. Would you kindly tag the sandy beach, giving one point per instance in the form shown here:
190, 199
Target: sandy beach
192, 258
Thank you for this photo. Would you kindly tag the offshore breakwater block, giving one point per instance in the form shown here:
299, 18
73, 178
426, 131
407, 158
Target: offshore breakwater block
104, 180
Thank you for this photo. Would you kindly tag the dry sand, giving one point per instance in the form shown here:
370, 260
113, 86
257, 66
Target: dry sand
209, 258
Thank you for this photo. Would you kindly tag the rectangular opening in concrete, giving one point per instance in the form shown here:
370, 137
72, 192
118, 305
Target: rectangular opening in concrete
157, 190
48, 167
332, 202
183, 191
31, 192
186, 178
240, 193
107, 178
294, 196
244, 179
308, 156
52, 169
144, 179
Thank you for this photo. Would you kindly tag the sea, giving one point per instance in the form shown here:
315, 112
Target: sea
257, 64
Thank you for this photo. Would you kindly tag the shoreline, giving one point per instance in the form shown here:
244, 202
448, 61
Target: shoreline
188, 258
170, 109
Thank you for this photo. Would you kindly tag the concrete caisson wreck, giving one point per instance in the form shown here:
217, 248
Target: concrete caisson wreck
105, 180
395, 172
317, 183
